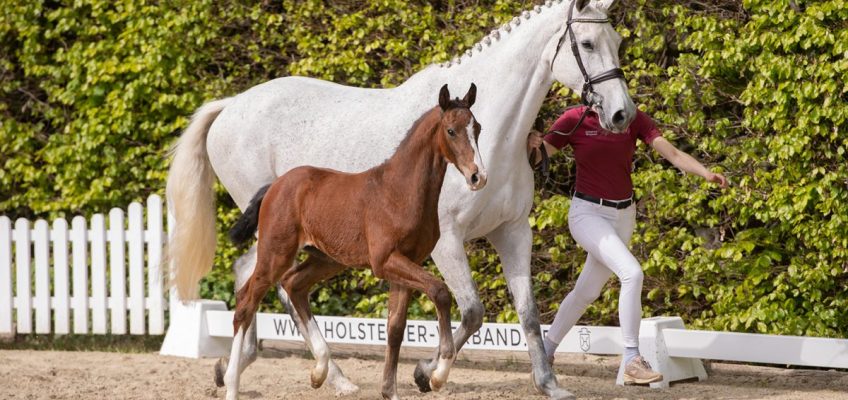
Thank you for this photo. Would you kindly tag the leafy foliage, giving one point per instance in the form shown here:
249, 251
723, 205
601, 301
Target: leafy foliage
94, 92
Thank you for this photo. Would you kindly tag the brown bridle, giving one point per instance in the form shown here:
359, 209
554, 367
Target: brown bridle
588, 96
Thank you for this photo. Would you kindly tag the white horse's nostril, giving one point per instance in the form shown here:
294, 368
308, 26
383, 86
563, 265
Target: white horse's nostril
618, 117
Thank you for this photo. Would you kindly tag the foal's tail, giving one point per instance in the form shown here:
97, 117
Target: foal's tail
246, 225
191, 200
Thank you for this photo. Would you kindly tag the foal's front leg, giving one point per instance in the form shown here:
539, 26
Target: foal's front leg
451, 260
400, 270
398, 308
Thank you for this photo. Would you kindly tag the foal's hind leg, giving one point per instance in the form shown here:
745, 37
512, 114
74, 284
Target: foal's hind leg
243, 269
335, 376
297, 282
274, 257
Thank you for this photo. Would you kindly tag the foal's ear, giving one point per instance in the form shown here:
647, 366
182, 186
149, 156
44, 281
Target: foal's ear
444, 98
580, 4
470, 96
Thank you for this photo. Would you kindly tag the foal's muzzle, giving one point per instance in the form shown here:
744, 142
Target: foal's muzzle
476, 179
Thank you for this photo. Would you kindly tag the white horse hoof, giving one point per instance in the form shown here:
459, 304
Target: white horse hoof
345, 387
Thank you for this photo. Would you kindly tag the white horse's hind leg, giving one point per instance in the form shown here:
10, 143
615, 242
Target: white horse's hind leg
231, 378
451, 260
335, 375
513, 242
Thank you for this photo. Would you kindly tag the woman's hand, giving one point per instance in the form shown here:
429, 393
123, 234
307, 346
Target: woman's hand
716, 178
534, 140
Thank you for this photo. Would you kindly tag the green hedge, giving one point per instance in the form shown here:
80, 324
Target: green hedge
93, 93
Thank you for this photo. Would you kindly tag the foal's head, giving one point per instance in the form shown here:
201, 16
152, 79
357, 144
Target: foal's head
457, 132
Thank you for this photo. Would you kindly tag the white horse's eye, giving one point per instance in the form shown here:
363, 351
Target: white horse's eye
587, 45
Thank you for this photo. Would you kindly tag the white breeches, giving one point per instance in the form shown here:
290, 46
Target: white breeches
604, 233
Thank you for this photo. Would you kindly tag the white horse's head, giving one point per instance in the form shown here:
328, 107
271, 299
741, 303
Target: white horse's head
597, 46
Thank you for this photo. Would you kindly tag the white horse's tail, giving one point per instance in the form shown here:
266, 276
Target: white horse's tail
191, 200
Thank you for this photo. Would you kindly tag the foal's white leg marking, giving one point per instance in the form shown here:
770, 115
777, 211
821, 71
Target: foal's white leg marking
335, 375
440, 375
231, 379
321, 352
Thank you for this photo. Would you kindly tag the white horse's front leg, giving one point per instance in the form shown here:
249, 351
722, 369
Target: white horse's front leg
513, 242
451, 260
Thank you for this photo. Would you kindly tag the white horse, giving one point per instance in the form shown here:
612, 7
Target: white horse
251, 138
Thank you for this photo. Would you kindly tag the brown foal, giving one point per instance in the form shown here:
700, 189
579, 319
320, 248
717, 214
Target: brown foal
385, 218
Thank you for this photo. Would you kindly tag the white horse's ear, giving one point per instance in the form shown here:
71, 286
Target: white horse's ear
604, 5
580, 4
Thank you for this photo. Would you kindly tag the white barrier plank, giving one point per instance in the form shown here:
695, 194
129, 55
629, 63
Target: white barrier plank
757, 348
372, 331
61, 289
98, 275
117, 272
154, 236
79, 250
135, 241
7, 304
23, 275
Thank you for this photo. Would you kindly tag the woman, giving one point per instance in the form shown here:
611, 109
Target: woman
602, 217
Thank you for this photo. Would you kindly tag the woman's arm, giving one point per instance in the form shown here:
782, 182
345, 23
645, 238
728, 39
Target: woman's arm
685, 162
534, 141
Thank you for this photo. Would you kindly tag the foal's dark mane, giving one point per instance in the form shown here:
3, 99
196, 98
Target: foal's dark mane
430, 120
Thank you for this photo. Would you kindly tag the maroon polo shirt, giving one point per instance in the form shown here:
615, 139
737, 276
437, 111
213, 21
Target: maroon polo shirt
604, 159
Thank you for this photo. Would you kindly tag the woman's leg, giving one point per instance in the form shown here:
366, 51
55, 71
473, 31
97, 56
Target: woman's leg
603, 232
587, 288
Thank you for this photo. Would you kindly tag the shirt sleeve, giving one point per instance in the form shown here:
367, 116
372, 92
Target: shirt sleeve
646, 129
565, 123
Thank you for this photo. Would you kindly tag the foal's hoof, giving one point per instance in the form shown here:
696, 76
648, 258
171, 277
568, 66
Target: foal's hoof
220, 369
436, 385
422, 379
318, 376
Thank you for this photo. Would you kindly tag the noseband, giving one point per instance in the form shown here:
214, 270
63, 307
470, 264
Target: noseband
588, 96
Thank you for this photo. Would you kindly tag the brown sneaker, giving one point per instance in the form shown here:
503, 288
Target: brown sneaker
638, 371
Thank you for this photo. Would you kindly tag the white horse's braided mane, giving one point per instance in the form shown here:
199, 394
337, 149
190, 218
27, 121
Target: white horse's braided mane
495, 35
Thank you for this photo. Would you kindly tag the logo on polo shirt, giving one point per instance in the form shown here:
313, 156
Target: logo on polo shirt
591, 133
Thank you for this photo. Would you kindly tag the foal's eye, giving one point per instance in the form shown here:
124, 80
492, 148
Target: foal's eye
451, 132
587, 45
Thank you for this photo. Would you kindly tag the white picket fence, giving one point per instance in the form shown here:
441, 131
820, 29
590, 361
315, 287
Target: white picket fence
89, 279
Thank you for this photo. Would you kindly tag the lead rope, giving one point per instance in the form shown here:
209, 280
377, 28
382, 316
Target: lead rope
545, 163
